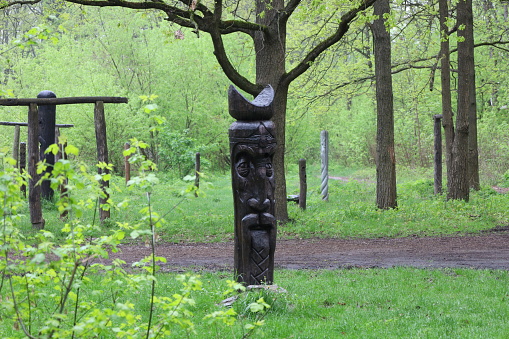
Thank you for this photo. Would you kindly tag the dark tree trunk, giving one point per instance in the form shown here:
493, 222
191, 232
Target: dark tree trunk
473, 154
270, 50
386, 161
102, 156
459, 185
447, 120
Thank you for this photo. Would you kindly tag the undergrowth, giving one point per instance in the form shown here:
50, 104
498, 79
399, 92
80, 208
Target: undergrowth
61, 286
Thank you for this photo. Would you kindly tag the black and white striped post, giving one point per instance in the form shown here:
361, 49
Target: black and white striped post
324, 187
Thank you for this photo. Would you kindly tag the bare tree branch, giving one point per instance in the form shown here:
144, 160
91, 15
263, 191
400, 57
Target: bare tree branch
409, 64
222, 58
232, 26
289, 9
343, 27
21, 2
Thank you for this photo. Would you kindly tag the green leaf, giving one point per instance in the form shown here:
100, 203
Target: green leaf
70, 149
53, 148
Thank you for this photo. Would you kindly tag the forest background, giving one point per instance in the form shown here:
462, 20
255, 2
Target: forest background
171, 76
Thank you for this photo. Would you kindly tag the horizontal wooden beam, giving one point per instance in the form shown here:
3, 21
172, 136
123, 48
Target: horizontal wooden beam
8, 123
62, 101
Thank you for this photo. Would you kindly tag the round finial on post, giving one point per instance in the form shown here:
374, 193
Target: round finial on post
46, 94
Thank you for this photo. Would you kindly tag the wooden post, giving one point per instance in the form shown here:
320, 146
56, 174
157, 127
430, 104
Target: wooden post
197, 173
102, 155
47, 119
58, 156
127, 164
15, 146
34, 192
61, 155
23, 163
324, 142
438, 153
303, 186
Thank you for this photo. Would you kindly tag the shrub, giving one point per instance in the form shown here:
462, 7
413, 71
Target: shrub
66, 288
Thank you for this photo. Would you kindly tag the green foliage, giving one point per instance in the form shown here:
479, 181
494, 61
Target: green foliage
61, 288
178, 151
36, 34
141, 55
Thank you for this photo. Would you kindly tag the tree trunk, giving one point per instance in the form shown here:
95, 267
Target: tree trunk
473, 154
270, 67
102, 157
445, 78
459, 186
386, 161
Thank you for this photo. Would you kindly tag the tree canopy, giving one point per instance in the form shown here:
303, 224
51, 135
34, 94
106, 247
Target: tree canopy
318, 56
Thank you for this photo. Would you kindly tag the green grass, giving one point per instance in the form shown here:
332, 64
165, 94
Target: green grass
396, 303
350, 303
350, 211
356, 303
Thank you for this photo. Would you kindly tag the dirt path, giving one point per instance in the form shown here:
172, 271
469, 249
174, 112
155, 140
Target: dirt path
485, 251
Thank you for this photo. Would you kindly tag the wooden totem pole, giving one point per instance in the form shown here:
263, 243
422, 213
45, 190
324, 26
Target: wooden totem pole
252, 147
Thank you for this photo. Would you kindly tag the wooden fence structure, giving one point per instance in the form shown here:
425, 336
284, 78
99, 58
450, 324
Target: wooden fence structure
34, 105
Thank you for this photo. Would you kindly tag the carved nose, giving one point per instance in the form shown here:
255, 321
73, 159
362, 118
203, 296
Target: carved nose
258, 205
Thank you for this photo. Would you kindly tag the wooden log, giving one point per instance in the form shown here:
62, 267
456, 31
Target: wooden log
102, 154
8, 123
62, 101
15, 146
438, 153
34, 190
303, 186
127, 164
197, 174
23, 164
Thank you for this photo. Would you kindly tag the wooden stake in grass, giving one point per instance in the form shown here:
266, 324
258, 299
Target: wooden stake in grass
127, 164
303, 186
438, 152
23, 164
15, 146
34, 191
197, 174
102, 155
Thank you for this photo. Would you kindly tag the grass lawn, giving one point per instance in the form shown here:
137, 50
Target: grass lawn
350, 211
354, 303
350, 303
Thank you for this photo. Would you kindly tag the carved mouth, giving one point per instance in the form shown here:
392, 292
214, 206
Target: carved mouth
262, 221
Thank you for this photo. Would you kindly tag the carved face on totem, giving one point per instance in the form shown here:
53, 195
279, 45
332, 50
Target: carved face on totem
252, 150
253, 173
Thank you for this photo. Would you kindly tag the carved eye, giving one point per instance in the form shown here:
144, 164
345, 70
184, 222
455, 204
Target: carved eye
268, 169
243, 168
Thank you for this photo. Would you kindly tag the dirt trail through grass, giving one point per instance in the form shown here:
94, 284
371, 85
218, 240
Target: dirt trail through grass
489, 250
